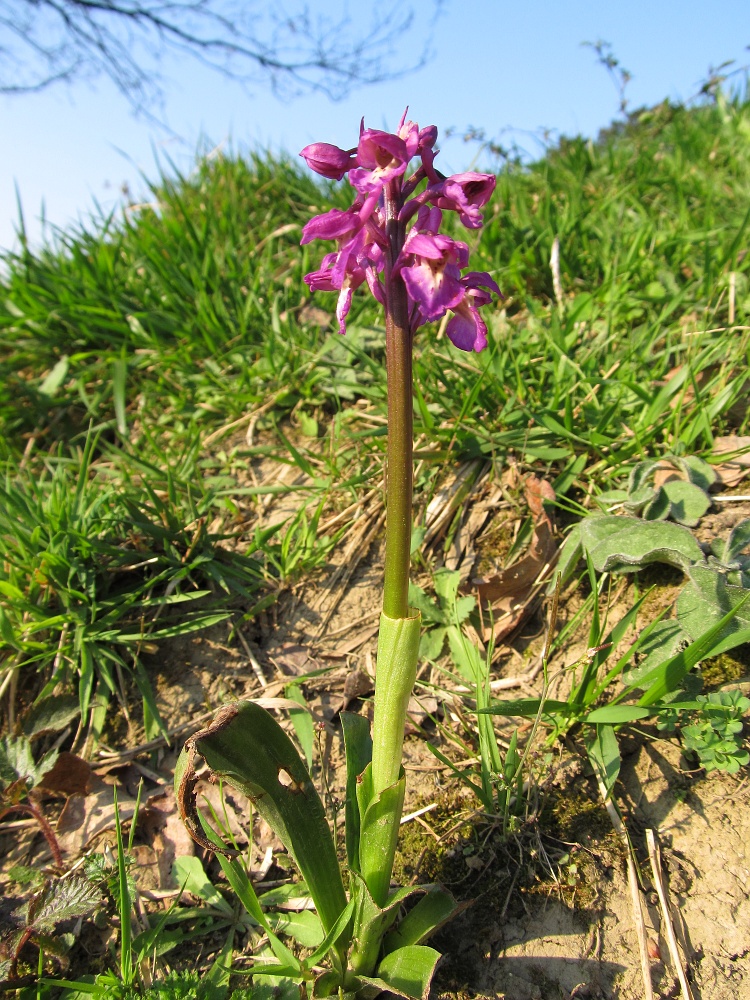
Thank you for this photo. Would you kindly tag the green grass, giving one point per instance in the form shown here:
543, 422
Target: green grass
124, 346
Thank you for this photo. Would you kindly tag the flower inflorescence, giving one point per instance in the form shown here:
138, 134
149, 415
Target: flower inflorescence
373, 245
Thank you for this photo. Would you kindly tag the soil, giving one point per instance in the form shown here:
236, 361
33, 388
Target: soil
550, 915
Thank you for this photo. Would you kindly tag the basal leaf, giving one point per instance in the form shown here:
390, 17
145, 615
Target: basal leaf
408, 971
620, 544
433, 910
51, 715
189, 873
706, 599
249, 749
738, 541
664, 640
358, 751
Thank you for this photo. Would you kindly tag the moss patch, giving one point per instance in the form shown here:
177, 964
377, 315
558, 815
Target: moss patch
730, 666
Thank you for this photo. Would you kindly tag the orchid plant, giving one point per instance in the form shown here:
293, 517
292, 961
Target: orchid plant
389, 239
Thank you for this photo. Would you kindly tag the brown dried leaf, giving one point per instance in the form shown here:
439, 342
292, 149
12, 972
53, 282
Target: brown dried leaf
733, 471
290, 658
418, 711
70, 775
357, 684
161, 825
510, 590
666, 472
355, 641
85, 817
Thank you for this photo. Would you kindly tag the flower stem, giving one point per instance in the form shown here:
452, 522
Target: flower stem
399, 473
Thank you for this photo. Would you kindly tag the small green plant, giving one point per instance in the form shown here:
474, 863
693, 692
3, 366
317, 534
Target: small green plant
661, 684
22, 768
500, 784
715, 734
717, 584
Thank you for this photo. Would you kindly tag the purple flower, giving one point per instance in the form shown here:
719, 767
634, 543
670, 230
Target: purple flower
381, 157
466, 329
328, 160
430, 265
466, 194
423, 280
357, 260
332, 225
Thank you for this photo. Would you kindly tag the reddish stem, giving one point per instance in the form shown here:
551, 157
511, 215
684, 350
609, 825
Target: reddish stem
49, 835
399, 473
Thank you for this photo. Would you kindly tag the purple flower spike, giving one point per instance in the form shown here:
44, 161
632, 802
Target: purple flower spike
328, 160
420, 270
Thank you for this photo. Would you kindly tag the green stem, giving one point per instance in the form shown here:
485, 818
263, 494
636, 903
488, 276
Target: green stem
399, 472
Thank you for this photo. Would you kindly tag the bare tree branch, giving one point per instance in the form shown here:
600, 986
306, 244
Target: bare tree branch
295, 50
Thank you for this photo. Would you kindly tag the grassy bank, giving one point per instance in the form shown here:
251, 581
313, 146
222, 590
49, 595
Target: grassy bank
150, 365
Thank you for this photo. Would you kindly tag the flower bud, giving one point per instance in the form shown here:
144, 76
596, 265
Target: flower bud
328, 160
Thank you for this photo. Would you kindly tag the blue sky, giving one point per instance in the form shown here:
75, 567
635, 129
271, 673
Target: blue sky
513, 69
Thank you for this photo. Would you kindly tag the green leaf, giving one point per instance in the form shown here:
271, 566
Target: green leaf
615, 715
408, 971
669, 676
243, 888
17, 762
304, 927
683, 502
433, 910
119, 393
247, 747
186, 627
706, 599
61, 899
528, 707
190, 874
55, 379
604, 754
446, 583
332, 938
465, 655
697, 471
379, 815
51, 715
738, 541
358, 750
664, 641
619, 544
639, 475
612, 496
308, 424
431, 643
570, 555
398, 649
302, 721
372, 922
429, 609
